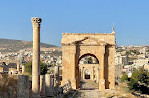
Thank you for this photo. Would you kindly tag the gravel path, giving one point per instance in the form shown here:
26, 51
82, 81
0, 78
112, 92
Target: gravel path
89, 94
88, 85
89, 89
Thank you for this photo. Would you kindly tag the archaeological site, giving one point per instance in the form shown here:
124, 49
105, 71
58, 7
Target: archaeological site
85, 57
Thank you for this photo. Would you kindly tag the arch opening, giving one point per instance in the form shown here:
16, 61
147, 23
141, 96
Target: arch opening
88, 65
87, 74
88, 59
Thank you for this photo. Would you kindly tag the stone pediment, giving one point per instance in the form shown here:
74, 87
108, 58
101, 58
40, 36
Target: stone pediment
89, 41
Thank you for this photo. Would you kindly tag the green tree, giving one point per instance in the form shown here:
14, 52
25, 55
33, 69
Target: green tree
29, 67
139, 76
128, 53
124, 77
135, 52
43, 68
132, 51
89, 60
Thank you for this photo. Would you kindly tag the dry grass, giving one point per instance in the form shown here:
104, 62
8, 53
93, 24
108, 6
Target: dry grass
120, 91
123, 91
7, 81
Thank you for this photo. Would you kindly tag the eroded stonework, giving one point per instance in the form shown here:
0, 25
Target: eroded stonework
77, 45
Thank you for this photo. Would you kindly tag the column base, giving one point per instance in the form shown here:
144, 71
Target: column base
50, 94
72, 81
36, 96
43, 97
101, 84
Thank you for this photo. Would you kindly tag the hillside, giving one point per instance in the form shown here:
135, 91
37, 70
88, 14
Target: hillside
9, 45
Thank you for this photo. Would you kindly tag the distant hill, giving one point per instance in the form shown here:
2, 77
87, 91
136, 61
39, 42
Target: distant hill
9, 45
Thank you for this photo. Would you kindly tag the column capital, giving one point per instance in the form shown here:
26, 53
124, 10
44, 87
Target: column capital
36, 21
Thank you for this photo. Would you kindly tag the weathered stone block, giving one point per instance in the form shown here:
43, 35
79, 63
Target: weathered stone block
23, 86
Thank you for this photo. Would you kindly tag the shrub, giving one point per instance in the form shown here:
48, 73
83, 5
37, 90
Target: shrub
124, 77
43, 68
139, 78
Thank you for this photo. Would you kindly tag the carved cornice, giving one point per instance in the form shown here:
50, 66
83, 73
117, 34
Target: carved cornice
101, 44
87, 33
36, 21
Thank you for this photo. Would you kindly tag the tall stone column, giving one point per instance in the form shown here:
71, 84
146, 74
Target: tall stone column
98, 76
23, 69
48, 85
56, 75
83, 73
42, 86
80, 70
36, 58
18, 67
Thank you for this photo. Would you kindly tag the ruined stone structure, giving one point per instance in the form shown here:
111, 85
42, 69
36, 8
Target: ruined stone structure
56, 76
89, 68
42, 86
75, 46
23, 86
9, 68
89, 71
36, 58
48, 85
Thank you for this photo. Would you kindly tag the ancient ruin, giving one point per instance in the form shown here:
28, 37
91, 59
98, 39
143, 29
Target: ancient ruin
101, 46
40, 86
10, 66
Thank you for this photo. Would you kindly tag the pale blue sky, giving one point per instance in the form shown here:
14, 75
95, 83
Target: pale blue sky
131, 18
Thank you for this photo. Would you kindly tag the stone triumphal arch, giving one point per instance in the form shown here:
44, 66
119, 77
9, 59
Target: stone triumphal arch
98, 45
